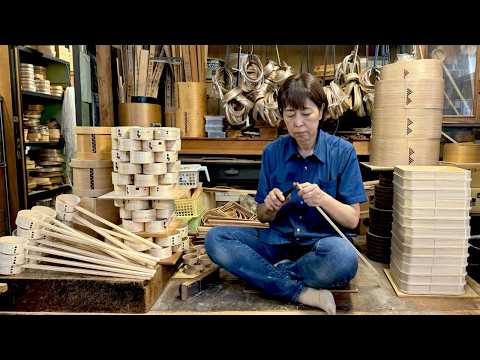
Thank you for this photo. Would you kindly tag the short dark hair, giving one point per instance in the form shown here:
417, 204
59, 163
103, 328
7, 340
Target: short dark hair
297, 88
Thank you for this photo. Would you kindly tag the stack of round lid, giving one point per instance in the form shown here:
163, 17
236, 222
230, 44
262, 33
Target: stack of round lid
42, 86
56, 90
40, 72
27, 77
51, 166
408, 113
380, 220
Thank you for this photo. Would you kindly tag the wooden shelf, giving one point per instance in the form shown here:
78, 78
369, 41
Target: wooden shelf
226, 146
41, 97
28, 54
35, 196
230, 146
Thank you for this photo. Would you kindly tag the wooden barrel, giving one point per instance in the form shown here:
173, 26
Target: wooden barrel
93, 143
191, 108
139, 114
411, 123
462, 153
91, 178
408, 112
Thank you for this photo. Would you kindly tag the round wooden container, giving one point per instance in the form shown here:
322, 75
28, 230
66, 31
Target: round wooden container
462, 153
404, 151
139, 114
412, 123
414, 69
411, 94
191, 108
93, 143
91, 178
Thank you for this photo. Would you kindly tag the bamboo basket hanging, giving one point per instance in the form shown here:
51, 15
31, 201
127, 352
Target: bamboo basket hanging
411, 123
91, 178
93, 143
416, 69
462, 153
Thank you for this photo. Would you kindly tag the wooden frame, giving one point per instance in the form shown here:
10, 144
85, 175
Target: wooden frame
462, 119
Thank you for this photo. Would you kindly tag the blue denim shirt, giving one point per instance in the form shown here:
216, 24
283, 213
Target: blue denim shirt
333, 166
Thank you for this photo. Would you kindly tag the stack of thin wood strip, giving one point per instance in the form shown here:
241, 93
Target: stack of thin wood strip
138, 74
194, 64
230, 214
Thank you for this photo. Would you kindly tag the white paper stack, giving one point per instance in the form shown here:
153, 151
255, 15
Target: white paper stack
431, 227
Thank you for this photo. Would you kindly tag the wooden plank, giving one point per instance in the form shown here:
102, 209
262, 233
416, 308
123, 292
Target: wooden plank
151, 67
104, 77
131, 77
3, 288
206, 146
193, 62
194, 286
142, 73
187, 62
10, 138
172, 260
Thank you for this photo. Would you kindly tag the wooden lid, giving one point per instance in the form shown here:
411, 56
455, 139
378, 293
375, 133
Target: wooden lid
90, 164
103, 130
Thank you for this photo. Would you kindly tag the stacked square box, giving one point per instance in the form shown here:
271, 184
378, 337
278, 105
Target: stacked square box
214, 126
145, 164
430, 229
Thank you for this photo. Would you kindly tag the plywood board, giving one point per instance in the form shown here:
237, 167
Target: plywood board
469, 292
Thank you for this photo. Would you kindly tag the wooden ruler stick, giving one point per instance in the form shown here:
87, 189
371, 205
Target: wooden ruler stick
92, 260
82, 271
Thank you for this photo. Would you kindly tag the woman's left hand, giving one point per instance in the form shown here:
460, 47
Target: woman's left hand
312, 194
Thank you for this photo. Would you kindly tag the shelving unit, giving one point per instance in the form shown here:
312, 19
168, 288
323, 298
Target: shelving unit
58, 72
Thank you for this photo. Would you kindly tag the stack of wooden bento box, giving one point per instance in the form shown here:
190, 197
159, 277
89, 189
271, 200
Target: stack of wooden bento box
430, 231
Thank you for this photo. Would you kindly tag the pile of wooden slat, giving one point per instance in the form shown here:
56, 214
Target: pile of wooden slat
230, 214
138, 74
194, 63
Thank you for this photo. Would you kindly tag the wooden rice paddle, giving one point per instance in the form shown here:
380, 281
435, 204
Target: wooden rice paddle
339, 232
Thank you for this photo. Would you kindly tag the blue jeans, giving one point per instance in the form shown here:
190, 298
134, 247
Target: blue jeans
330, 262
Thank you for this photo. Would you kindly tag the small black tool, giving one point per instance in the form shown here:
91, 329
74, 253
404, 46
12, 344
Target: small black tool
288, 192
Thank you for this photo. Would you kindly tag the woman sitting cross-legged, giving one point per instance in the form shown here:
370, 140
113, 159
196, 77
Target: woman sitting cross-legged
300, 256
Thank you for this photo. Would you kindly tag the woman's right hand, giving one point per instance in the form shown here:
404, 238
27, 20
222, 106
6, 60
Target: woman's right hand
274, 200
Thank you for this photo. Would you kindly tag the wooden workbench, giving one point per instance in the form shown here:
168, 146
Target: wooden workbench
235, 146
36, 290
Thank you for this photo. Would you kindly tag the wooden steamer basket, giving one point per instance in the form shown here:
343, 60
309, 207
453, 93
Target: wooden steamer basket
462, 153
93, 143
407, 117
91, 178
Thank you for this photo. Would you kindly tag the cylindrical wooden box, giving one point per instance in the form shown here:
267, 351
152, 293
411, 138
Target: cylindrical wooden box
93, 143
191, 108
462, 153
91, 178
139, 114
407, 116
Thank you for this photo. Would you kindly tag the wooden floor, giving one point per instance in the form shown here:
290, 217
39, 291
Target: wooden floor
232, 296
